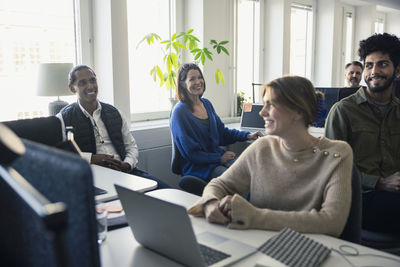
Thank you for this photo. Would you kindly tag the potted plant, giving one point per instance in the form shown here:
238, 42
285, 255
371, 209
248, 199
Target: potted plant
173, 50
241, 98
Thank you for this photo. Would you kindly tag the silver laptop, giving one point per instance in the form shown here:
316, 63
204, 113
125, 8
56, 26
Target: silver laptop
166, 228
251, 120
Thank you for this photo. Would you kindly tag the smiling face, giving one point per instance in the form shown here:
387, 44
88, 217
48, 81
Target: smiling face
278, 118
353, 76
379, 72
194, 83
85, 87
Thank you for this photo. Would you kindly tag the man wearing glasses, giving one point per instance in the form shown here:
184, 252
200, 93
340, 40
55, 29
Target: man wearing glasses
99, 129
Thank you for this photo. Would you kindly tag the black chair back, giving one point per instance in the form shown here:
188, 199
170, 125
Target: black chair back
331, 95
32, 229
352, 229
46, 130
64, 177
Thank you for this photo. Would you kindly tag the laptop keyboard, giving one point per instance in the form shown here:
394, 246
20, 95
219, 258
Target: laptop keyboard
211, 255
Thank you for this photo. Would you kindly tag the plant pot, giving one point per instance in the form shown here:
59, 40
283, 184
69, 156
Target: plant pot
173, 101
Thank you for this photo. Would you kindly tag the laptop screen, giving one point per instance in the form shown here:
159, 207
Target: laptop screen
251, 116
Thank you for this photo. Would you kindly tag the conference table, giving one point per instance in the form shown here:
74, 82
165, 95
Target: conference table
121, 249
105, 178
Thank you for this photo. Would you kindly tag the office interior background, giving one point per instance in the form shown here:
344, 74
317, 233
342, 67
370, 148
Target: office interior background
267, 39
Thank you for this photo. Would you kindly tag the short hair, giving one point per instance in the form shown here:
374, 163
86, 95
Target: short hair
72, 76
296, 93
181, 92
384, 43
354, 63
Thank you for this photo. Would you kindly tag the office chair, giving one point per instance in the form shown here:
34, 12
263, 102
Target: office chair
65, 177
345, 92
331, 95
46, 130
352, 229
188, 183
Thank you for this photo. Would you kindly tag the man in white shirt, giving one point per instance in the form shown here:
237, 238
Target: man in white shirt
99, 128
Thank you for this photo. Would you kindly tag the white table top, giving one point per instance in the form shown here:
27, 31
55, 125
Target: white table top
121, 249
105, 178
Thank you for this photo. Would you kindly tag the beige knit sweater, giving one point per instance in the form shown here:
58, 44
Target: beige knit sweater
307, 191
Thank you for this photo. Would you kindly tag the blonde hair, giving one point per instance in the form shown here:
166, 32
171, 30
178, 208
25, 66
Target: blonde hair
296, 93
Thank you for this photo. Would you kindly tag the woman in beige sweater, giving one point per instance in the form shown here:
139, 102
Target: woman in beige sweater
295, 180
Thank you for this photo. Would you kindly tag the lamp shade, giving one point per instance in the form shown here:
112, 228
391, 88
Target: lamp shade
53, 79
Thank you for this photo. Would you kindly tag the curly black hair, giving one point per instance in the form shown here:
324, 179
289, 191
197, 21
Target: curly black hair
385, 43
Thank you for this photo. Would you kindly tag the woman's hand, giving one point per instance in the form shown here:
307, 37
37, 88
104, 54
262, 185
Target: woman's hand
254, 136
227, 156
214, 214
225, 206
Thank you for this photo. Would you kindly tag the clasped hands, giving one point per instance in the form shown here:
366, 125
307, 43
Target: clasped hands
109, 162
219, 211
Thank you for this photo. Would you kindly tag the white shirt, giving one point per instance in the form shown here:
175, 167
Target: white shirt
103, 142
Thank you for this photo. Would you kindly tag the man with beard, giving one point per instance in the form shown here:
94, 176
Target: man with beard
369, 121
99, 129
353, 71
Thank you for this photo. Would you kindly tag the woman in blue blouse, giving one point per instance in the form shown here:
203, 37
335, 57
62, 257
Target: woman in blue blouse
198, 131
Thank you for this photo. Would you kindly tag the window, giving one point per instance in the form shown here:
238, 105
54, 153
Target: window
301, 28
32, 32
148, 99
379, 23
348, 35
248, 51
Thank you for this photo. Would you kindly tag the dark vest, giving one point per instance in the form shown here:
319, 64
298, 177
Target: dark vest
83, 128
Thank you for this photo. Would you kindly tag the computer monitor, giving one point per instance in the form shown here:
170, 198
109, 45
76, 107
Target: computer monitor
65, 177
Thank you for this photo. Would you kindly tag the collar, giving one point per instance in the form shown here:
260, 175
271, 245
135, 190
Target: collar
361, 96
98, 109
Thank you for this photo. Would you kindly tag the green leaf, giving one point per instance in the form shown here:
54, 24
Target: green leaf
219, 77
225, 50
173, 37
203, 58
190, 31
160, 75
223, 42
197, 56
213, 42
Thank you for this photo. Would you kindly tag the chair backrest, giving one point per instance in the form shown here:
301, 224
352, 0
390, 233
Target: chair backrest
175, 158
65, 177
32, 229
352, 229
346, 91
331, 95
46, 130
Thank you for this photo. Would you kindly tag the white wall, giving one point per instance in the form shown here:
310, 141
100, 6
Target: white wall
393, 23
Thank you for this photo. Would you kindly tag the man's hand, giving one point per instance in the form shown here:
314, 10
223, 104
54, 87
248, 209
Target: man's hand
214, 214
254, 136
107, 161
227, 156
390, 183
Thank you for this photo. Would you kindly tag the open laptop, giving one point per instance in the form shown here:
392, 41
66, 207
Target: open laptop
251, 120
166, 228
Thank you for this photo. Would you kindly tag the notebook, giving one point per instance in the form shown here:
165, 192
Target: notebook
251, 120
166, 228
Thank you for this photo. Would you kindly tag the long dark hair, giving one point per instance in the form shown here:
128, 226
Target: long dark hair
181, 92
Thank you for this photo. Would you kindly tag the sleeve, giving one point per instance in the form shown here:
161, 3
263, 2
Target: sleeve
227, 136
235, 180
330, 219
132, 153
336, 124
188, 146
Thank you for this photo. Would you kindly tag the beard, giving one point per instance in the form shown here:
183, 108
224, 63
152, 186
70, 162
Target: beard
382, 88
354, 82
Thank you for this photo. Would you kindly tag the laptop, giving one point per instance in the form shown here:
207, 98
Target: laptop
166, 228
251, 120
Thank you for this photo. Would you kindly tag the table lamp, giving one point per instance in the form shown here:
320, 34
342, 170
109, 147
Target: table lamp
53, 81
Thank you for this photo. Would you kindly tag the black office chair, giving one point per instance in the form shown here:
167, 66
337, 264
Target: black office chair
345, 92
352, 229
331, 95
64, 177
188, 183
45, 130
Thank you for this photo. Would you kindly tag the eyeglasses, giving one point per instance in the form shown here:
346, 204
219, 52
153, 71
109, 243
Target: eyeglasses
97, 134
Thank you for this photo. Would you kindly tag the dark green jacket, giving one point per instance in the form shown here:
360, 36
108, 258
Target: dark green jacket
375, 141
